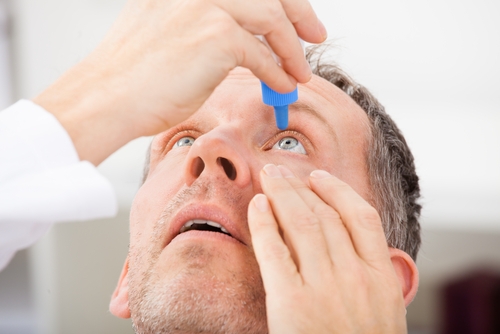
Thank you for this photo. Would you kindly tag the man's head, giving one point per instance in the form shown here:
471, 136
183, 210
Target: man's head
206, 169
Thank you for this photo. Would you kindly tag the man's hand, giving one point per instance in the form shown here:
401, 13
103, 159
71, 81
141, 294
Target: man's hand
323, 257
163, 58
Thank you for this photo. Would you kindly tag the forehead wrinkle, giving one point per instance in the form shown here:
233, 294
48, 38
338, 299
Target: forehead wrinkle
303, 107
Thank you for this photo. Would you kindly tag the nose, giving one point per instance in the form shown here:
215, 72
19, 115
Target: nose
218, 153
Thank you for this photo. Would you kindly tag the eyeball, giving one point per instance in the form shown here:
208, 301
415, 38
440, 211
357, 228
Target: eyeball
290, 144
184, 141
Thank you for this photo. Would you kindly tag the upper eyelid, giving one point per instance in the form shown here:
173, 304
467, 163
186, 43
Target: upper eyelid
178, 135
290, 132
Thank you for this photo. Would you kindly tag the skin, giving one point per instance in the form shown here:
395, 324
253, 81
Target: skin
316, 243
162, 59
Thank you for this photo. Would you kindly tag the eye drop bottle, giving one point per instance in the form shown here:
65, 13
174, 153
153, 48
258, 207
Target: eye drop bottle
277, 100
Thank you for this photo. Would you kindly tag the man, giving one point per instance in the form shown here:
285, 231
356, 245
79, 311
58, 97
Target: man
228, 197
308, 256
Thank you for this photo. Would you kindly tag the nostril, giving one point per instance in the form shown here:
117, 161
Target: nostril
228, 168
197, 167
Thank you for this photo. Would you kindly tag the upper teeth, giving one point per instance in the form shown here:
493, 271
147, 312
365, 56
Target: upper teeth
201, 221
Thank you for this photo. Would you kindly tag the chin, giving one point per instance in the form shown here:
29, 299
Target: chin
198, 289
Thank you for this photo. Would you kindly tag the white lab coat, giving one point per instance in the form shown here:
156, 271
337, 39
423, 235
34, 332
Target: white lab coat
42, 180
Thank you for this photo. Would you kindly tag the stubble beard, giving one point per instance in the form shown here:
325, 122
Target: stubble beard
195, 300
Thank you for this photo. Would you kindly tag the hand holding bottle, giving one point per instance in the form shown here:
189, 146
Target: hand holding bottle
162, 60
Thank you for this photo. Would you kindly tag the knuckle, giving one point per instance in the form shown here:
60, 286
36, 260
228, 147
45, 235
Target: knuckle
221, 25
273, 251
342, 187
217, 23
305, 9
369, 217
299, 185
279, 187
263, 52
325, 212
306, 222
298, 11
274, 11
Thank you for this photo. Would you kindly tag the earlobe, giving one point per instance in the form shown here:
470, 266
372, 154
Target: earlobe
407, 273
119, 300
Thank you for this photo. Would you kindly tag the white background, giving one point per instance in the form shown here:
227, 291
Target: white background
435, 66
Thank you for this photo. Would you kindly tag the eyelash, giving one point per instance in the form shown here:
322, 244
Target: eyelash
181, 133
287, 133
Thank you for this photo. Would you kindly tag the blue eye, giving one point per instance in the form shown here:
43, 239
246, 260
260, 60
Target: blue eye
290, 144
184, 141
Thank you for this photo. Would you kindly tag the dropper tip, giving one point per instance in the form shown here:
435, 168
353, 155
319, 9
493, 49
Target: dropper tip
281, 115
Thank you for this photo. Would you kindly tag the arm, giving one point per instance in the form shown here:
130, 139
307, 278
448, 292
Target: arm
158, 64
162, 60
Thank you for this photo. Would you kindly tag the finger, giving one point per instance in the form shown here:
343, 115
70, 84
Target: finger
269, 19
301, 228
337, 238
255, 56
261, 16
360, 218
286, 45
305, 20
277, 268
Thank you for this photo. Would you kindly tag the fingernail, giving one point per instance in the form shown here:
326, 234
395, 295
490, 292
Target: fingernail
285, 172
320, 174
322, 30
261, 202
272, 171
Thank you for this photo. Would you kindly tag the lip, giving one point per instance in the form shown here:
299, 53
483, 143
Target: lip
206, 212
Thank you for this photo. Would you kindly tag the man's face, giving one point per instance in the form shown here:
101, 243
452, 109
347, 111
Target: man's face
207, 169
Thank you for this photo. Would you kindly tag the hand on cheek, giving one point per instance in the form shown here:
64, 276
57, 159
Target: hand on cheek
329, 270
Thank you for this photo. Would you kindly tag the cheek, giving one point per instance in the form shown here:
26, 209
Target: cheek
160, 187
350, 167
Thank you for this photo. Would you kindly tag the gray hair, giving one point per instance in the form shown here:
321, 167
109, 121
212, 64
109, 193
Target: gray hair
393, 179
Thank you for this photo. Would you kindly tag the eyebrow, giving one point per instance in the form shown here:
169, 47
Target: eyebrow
308, 109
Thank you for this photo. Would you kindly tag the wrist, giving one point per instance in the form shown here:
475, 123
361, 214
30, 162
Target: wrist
85, 103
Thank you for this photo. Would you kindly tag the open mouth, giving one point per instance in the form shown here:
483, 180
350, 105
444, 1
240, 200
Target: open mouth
203, 225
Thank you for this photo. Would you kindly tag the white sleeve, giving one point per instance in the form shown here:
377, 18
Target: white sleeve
42, 180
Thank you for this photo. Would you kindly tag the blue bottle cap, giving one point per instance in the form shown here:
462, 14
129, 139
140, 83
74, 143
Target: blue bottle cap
280, 103
273, 98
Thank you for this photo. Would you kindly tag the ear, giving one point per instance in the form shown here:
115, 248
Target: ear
407, 273
119, 300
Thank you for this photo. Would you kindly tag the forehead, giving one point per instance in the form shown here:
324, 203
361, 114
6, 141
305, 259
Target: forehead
238, 98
